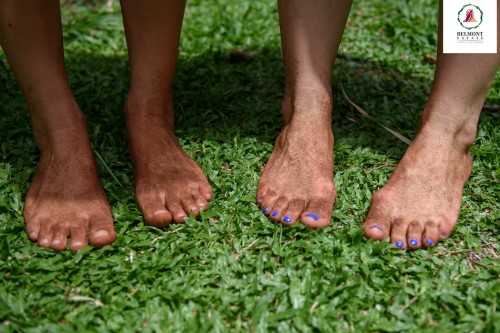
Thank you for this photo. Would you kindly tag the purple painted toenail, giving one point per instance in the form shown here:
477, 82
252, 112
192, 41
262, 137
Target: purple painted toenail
275, 213
265, 210
314, 216
429, 241
400, 244
287, 219
260, 198
377, 227
414, 242
443, 234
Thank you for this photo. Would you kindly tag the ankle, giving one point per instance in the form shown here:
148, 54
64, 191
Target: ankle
58, 124
140, 107
308, 103
460, 135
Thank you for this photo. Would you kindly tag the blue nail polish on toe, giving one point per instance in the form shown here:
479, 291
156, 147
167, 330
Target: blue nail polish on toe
287, 219
377, 227
414, 242
274, 214
429, 241
400, 244
265, 210
260, 198
314, 216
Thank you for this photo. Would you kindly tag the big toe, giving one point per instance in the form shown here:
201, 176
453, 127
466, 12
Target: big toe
376, 229
378, 222
317, 214
102, 232
154, 210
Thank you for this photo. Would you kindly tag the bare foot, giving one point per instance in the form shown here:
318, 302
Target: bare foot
421, 201
169, 184
297, 182
66, 199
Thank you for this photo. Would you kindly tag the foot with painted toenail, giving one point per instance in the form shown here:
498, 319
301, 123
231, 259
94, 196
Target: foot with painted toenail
297, 181
420, 203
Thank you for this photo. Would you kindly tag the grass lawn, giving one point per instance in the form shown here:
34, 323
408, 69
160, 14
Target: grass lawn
233, 269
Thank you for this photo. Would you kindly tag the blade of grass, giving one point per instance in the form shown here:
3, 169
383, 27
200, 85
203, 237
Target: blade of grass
108, 169
370, 117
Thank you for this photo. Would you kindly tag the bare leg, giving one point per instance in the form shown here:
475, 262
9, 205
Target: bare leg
66, 198
169, 184
297, 182
421, 201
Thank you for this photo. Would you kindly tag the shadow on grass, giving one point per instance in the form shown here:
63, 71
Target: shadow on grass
217, 99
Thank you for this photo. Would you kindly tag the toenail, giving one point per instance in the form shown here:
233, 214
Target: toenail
377, 227
429, 241
275, 213
443, 234
260, 198
44, 242
314, 216
414, 242
287, 219
400, 244
265, 210
101, 233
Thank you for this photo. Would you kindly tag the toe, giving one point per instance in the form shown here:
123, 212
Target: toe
45, 234
317, 214
78, 237
267, 203
278, 208
398, 234
158, 218
201, 203
178, 213
376, 229
430, 236
414, 236
445, 229
154, 211
101, 231
206, 191
33, 228
261, 193
293, 211
190, 206
60, 234
378, 222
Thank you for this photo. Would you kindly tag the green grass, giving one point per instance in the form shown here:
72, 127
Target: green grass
232, 269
